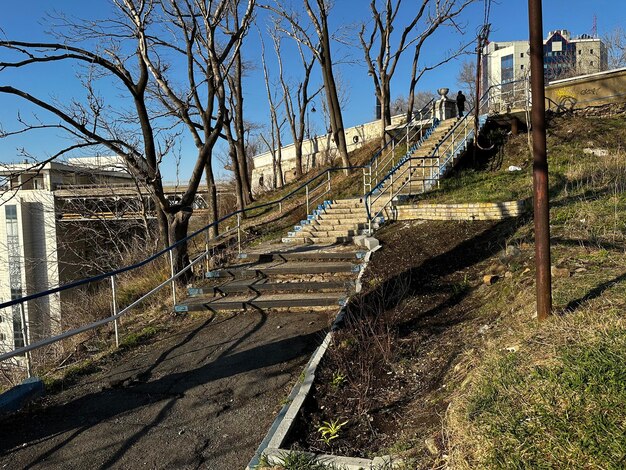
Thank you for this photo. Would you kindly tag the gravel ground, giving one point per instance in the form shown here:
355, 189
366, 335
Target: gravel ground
200, 398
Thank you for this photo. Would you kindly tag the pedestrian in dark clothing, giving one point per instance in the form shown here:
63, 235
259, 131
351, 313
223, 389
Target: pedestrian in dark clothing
460, 103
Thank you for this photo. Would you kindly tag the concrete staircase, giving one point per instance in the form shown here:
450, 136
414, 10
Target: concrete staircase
428, 169
331, 223
298, 278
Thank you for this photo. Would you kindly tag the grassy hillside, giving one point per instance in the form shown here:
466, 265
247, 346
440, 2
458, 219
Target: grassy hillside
550, 396
445, 370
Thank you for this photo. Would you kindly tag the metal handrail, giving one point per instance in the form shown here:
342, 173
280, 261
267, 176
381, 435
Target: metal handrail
25, 350
380, 161
367, 197
415, 114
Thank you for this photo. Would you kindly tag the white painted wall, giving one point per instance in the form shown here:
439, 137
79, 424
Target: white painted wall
38, 262
315, 152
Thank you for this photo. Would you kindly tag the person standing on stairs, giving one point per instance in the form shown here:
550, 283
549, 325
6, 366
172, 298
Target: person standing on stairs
460, 103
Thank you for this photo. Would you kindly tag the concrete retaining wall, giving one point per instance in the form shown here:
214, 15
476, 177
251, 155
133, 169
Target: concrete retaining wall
321, 150
467, 211
588, 90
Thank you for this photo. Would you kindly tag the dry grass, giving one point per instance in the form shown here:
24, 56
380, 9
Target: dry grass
551, 396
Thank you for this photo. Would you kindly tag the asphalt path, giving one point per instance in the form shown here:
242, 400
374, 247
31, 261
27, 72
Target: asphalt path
200, 398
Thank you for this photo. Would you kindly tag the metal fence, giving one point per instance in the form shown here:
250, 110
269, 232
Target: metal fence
232, 230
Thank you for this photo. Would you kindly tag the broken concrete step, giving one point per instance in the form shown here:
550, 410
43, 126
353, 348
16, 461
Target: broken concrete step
262, 286
261, 270
317, 240
309, 255
275, 301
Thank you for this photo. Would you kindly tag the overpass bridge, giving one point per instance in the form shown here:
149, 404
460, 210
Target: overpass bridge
118, 201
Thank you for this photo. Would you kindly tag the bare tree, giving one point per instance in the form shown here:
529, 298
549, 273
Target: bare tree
297, 124
615, 42
129, 50
382, 60
275, 143
466, 79
235, 119
319, 44
443, 13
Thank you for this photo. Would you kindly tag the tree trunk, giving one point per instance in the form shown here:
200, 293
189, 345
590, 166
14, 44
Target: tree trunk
211, 200
279, 165
164, 238
178, 226
243, 171
298, 150
334, 107
239, 187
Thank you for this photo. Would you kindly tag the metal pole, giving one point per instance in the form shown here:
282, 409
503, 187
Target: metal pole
239, 232
206, 247
307, 198
173, 280
364, 184
115, 326
328, 181
540, 163
29, 368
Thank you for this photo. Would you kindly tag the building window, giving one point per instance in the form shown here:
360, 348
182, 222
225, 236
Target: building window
591, 51
15, 271
591, 63
506, 68
580, 52
521, 54
521, 67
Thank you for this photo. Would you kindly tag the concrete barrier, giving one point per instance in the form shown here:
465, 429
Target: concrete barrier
14, 399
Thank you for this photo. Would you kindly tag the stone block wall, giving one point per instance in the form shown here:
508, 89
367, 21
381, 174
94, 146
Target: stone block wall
466, 211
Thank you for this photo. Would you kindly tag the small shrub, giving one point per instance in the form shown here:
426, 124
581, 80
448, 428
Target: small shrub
330, 430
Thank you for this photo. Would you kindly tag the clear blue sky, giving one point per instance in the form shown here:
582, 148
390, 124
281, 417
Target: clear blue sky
24, 21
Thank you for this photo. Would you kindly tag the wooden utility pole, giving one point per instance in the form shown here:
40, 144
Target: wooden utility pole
540, 163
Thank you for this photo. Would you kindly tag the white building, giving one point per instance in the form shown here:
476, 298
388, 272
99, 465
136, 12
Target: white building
31, 260
564, 57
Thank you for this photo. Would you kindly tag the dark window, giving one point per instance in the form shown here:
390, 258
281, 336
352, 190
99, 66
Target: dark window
590, 51
506, 67
521, 66
11, 212
521, 54
591, 63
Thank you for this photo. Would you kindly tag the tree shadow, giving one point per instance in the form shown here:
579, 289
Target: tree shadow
594, 293
466, 254
85, 412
